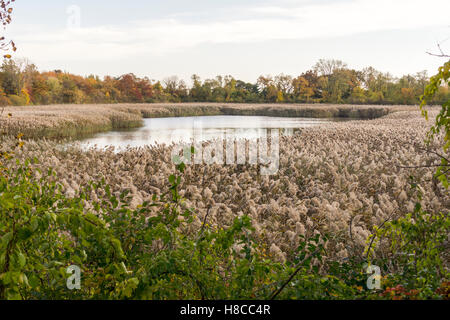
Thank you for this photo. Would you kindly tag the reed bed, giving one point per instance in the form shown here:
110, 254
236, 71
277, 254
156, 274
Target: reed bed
65, 121
340, 179
75, 121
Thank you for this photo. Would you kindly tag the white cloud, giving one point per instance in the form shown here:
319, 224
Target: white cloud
157, 37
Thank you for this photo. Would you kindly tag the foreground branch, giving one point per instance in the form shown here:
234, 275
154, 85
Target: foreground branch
298, 268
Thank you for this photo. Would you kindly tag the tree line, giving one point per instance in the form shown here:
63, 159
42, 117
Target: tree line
329, 81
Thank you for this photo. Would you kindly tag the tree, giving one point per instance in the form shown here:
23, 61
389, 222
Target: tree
70, 91
340, 84
11, 77
301, 89
264, 81
313, 83
195, 92
268, 88
284, 84
55, 89
171, 85
5, 19
130, 86
40, 90
358, 95
175, 88
326, 67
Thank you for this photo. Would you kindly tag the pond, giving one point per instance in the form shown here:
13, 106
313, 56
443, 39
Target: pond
200, 128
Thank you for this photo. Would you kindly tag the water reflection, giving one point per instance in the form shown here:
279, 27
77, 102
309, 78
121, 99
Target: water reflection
188, 129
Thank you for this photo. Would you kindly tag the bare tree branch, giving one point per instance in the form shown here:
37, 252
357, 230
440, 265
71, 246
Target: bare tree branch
441, 54
298, 267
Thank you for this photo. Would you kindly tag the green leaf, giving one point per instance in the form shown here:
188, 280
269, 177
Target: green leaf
25, 233
21, 260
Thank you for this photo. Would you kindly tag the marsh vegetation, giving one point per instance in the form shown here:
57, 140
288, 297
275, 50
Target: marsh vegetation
339, 185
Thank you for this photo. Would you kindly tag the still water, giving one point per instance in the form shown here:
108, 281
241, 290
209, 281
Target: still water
203, 128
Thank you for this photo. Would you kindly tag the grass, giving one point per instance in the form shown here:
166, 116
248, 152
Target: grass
64, 121
341, 179
75, 121
332, 178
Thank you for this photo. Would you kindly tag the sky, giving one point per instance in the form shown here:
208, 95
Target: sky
245, 38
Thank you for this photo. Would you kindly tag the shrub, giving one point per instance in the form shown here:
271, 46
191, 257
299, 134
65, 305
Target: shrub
152, 252
17, 100
123, 253
418, 246
155, 251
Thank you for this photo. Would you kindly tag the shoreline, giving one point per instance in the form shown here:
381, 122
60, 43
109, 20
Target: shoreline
75, 121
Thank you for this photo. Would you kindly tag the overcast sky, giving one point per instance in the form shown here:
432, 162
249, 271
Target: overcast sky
244, 38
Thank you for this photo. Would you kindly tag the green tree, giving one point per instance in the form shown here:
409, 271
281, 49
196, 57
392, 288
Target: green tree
11, 77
